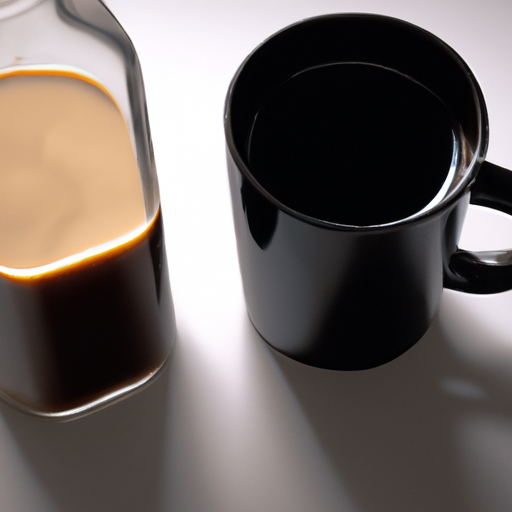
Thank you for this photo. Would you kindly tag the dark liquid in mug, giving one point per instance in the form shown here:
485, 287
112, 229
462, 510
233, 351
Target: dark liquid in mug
353, 144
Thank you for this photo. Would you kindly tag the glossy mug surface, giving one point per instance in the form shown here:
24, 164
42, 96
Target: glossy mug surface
354, 144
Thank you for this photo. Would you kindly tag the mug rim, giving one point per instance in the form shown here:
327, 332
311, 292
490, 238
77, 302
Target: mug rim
450, 198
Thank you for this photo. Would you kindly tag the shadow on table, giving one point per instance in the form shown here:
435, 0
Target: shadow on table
429, 431
108, 461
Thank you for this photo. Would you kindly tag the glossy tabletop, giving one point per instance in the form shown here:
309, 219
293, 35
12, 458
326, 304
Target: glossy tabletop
231, 425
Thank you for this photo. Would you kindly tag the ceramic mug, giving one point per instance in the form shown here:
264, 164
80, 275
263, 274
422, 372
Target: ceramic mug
354, 144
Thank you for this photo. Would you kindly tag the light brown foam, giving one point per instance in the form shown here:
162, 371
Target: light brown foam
69, 179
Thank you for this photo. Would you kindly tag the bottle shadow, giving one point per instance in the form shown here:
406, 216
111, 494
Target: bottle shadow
406, 436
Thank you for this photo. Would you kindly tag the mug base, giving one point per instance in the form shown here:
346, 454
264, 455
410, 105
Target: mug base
340, 355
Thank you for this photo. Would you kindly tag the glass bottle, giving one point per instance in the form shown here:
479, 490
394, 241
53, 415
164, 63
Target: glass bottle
86, 314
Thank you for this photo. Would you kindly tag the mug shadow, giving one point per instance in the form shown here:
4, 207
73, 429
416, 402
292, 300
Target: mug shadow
395, 435
109, 461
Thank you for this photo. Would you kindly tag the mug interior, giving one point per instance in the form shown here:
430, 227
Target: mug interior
368, 39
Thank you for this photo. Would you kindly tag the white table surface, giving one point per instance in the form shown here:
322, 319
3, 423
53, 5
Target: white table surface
232, 426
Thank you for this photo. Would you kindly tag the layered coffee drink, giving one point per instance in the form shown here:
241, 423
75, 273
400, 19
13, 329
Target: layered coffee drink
85, 303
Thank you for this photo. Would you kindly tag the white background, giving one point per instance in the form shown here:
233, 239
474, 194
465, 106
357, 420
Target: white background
232, 426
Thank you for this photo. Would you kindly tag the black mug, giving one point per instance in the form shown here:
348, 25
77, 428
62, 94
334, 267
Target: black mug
354, 144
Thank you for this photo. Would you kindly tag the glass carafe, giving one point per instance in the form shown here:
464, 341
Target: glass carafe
86, 315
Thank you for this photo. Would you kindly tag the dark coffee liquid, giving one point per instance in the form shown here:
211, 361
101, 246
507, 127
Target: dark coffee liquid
352, 143
86, 329
74, 333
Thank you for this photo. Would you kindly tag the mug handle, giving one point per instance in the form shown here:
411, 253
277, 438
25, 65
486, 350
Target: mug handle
485, 271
